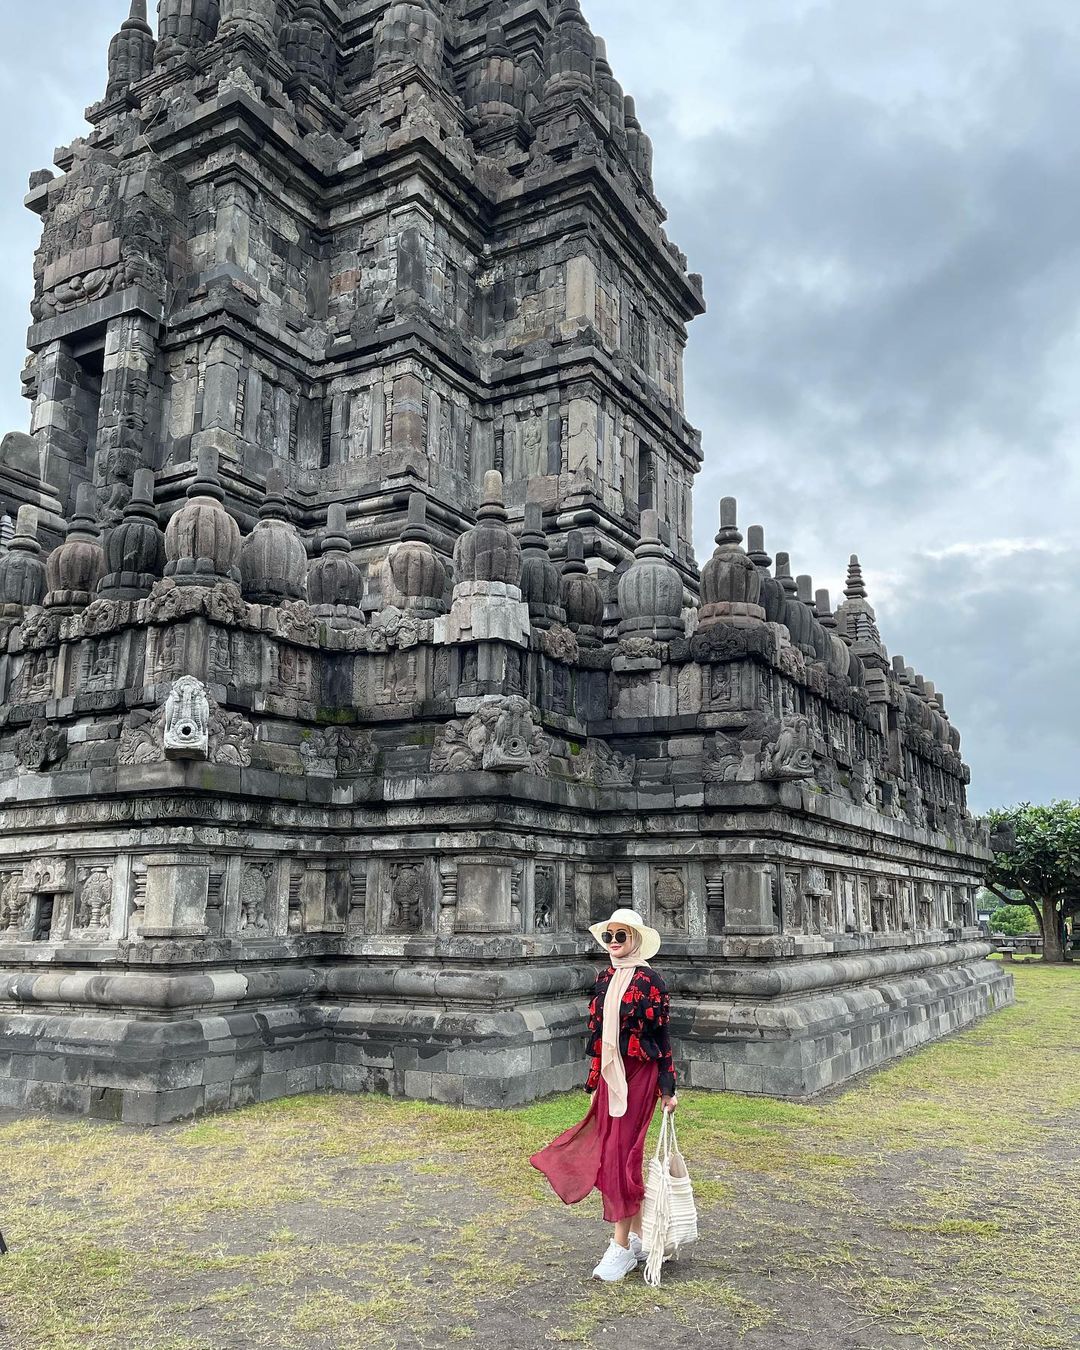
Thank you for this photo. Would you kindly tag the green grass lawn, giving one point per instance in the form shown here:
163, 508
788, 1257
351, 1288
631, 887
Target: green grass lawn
935, 1204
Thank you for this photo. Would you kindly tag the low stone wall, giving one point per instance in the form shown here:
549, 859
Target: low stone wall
804, 1045
860, 1012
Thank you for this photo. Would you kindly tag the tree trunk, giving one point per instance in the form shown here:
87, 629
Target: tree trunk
1050, 921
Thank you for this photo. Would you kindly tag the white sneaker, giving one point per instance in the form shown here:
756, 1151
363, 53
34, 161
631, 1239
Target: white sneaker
618, 1262
641, 1253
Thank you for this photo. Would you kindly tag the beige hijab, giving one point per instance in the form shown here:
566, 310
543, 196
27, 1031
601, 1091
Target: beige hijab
612, 1068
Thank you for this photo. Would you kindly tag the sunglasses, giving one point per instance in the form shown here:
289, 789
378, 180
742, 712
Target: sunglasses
608, 937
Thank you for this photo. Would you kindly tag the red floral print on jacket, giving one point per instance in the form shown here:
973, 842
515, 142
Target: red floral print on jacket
644, 1025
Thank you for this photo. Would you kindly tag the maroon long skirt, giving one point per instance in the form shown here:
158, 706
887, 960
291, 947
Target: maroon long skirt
606, 1151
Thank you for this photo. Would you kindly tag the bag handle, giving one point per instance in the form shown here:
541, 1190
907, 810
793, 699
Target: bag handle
667, 1128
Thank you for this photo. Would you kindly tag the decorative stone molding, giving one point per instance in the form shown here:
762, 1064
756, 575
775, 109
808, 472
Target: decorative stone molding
222, 603
93, 900
791, 757
391, 629
186, 733
228, 736
731, 761
295, 622
560, 644
605, 767
669, 899
338, 752
501, 736
40, 746
254, 893
39, 629
766, 752
14, 901
103, 616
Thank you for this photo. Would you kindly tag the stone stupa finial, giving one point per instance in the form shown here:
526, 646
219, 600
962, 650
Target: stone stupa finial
22, 569
651, 589
273, 560
417, 573
730, 581
335, 583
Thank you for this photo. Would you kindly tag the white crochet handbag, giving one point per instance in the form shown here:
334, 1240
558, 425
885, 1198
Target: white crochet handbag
669, 1215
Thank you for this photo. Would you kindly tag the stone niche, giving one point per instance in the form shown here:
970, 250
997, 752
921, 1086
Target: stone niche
485, 896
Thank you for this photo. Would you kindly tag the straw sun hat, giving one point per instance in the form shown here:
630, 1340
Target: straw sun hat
630, 918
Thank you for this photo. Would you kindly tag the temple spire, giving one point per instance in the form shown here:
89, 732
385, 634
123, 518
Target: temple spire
131, 52
856, 587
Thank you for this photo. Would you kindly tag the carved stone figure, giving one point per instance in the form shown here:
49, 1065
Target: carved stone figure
40, 746
188, 725
187, 720
13, 903
915, 806
791, 907
544, 899
669, 895
863, 785
607, 767
561, 644
338, 751
792, 757
94, 905
253, 899
406, 899
502, 736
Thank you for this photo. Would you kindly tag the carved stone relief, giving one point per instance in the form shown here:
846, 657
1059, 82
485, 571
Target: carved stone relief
791, 757
791, 902
186, 731
36, 679
40, 746
605, 767
177, 729
100, 664
13, 905
405, 898
669, 898
93, 904
502, 736
334, 752
544, 898
254, 893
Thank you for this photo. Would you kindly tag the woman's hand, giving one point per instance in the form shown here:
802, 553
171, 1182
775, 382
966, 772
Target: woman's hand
671, 1103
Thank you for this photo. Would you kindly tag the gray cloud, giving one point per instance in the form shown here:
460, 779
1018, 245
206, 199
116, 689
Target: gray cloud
882, 199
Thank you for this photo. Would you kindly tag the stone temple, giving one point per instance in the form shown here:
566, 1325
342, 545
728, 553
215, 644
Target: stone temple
353, 652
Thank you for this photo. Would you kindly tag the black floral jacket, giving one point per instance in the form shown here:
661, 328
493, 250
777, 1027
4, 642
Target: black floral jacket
644, 1025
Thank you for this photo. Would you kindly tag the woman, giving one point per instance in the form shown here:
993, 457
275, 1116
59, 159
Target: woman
630, 1044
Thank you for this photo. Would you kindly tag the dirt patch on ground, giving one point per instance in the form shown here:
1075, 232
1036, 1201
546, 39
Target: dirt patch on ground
934, 1206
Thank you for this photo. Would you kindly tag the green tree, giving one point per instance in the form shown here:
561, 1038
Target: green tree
1014, 921
1037, 862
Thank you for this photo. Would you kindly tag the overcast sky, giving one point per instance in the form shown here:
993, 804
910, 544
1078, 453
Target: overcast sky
884, 199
